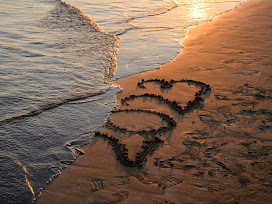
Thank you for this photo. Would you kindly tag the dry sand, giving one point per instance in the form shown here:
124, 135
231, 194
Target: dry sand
219, 152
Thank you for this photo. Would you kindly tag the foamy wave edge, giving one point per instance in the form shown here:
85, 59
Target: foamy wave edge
52, 105
111, 68
108, 73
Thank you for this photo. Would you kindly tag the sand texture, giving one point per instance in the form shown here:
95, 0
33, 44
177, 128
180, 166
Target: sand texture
197, 130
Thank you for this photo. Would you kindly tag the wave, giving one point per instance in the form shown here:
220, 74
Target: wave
112, 67
82, 16
79, 27
144, 28
68, 17
162, 10
53, 105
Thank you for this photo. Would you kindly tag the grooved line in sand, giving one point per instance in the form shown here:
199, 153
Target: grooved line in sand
150, 145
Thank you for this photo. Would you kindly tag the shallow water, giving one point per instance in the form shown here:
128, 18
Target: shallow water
56, 64
150, 31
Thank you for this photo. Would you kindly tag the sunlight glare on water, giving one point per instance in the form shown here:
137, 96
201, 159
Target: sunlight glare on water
198, 10
150, 31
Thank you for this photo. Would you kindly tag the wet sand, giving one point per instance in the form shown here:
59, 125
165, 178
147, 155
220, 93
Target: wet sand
204, 137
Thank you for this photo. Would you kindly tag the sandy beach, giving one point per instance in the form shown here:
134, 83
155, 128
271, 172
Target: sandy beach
196, 130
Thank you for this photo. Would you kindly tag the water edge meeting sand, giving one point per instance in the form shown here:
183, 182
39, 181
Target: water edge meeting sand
218, 152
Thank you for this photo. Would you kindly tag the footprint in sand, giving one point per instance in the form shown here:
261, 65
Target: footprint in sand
215, 186
168, 181
163, 183
100, 184
119, 196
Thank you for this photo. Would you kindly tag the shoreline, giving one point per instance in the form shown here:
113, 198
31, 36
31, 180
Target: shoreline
219, 152
178, 52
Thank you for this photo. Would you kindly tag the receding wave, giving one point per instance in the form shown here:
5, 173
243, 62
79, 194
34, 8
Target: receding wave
66, 8
162, 10
77, 56
111, 68
50, 106
67, 17
143, 28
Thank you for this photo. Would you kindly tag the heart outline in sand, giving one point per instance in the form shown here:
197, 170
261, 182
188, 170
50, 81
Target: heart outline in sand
150, 145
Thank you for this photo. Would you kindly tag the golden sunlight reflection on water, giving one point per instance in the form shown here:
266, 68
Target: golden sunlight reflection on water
198, 10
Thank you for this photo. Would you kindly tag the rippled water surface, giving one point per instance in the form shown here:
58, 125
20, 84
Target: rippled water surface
57, 61
150, 31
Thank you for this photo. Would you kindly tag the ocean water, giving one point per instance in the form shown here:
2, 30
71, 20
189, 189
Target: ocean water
58, 63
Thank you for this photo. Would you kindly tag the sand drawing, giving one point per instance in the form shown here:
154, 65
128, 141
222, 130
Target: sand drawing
150, 145
203, 156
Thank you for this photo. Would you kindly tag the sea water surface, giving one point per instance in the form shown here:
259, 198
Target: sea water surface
58, 60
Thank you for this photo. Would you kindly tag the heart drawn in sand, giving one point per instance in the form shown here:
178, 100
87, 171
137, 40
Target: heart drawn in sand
150, 145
